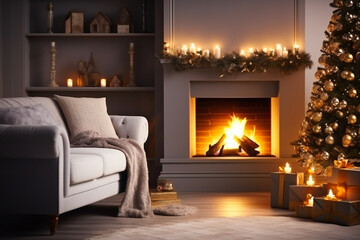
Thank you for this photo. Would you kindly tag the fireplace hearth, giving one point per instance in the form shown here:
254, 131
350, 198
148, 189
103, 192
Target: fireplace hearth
281, 99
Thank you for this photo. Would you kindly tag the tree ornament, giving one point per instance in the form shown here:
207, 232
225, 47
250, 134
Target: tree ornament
349, 3
346, 57
319, 141
335, 17
324, 96
325, 155
349, 17
318, 169
352, 92
328, 171
352, 119
346, 140
305, 124
317, 89
331, 27
343, 104
335, 126
308, 157
328, 85
344, 74
350, 76
323, 58
330, 140
316, 128
320, 74
328, 108
335, 102
318, 103
329, 130
316, 116
341, 156
339, 114
338, 27
338, 3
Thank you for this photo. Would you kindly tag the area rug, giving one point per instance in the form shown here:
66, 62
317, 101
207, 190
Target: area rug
175, 210
248, 227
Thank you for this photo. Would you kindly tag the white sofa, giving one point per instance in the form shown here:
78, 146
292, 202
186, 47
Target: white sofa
41, 174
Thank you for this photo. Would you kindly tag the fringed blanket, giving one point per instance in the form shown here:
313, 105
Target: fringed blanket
136, 202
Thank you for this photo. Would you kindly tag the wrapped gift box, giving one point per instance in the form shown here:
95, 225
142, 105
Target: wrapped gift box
347, 176
303, 211
345, 192
297, 194
280, 183
320, 179
336, 211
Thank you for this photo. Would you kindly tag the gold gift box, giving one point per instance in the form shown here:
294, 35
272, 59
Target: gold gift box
336, 211
346, 176
297, 194
280, 183
303, 211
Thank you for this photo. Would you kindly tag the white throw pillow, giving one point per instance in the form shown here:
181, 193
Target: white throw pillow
84, 114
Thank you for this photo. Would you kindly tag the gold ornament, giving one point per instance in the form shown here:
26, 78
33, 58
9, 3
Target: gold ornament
329, 130
335, 17
346, 57
334, 126
350, 76
319, 141
316, 89
329, 85
344, 74
352, 92
330, 140
316, 129
316, 116
325, 155
320, 73
331, 27
346, 140
323, 58
324, 96
335, 102
352, 119
343, 104
349, 3
339, 114
341, 156
318, 103
318, 169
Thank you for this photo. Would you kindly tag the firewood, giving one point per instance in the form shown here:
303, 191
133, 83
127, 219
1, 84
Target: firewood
230, 152
249, 142
246, 147
215, 149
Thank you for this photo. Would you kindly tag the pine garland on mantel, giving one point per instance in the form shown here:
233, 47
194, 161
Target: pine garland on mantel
258, 62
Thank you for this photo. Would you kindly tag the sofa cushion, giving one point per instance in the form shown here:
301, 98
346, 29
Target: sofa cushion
112, 160
84, 114
85, 167
28, 115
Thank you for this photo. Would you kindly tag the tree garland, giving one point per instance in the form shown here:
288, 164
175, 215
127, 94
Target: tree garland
259, 61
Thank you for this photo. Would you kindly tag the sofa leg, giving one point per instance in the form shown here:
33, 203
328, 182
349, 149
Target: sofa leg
53, 220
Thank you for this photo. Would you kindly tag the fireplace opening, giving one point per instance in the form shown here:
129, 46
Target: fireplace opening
233, 127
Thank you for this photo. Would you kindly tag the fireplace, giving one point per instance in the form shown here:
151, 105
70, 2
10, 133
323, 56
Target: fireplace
281, 99
233, 127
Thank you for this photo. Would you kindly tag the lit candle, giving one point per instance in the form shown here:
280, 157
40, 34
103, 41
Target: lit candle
192, 48
330, 195
271, 52
217, 52
242, 53
53, 44
278, 50
251, 52
206, 53
285, 53
310, 182
184, 50
265, 50
69, 82
311, 202
296, 48
287, 168
103, 82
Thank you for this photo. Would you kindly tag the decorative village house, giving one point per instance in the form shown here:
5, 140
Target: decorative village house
100, 24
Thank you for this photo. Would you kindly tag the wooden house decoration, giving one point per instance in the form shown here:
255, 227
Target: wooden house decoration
100, 24
125, 22
74, 23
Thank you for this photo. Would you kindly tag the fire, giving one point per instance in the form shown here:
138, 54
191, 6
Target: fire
236, 128
330, 195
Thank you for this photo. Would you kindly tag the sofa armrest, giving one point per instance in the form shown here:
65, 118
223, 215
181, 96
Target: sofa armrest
31, 141
133, 127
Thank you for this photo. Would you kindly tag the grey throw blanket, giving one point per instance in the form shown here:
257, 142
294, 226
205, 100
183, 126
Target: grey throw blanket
136, 202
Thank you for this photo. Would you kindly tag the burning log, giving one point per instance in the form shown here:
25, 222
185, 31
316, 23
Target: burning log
217, 148
231, 152
247, 145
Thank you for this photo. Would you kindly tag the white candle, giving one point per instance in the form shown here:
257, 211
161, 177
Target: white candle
310, 182
287, 168
206, 53
278, 50
69, 82
53, 44
296, 48
192, 48
184, 50
311, 202
217, 52
285, 53
251, 52
103, 82
242, 53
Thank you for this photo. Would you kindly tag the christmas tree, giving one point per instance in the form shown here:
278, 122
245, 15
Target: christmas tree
330, 131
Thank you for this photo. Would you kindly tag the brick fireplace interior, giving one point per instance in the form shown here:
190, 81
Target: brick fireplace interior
215, 116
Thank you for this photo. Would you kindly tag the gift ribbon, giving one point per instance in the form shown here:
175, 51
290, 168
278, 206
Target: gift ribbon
281, 190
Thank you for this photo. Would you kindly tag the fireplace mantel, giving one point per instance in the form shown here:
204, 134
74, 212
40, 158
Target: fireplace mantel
212, 174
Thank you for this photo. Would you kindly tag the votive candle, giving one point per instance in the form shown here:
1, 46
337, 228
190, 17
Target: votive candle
69, 82
217, 52
103, 82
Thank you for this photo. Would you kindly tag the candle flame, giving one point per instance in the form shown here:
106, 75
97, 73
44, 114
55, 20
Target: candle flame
330, 195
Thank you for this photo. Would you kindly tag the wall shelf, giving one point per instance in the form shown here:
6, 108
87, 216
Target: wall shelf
30, 35
89, 89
